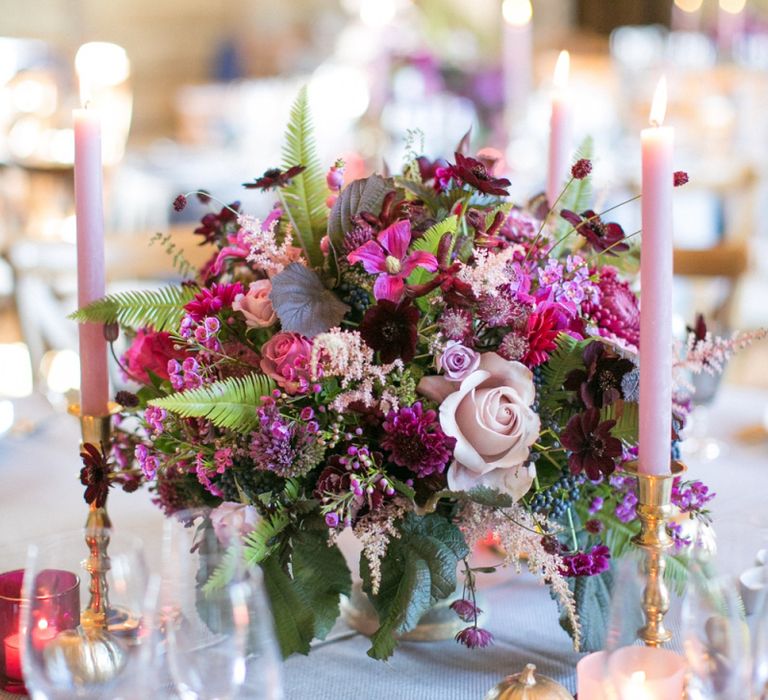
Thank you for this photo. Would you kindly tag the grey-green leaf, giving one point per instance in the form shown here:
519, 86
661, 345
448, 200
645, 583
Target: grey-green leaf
593, 603
359, 196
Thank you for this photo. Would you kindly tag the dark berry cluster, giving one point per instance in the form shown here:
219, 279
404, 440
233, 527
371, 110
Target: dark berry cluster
555, 500
355, 296
252, 482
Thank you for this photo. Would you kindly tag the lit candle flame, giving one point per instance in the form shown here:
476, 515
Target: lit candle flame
100, 64
636, 689
659, 104
42, 624
689, 5
517, 12
562, 69
733, 7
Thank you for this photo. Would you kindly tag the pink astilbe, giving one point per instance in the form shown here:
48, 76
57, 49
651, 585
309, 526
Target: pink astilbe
489, 271
264, 251
710, 354
344, 354
520, 534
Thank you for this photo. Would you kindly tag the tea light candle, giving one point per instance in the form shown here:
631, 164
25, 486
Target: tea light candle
645, 673
12, 653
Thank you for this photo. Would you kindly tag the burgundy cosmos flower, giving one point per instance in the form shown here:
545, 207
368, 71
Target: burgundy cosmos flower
472, 172
390, 329
599, 382
95, 475
209, 301
274, 177
415, 440
214, 226
616, 312
600, 236
593, 449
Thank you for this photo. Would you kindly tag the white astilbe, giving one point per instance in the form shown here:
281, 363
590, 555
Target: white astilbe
374, 531
520, 535
489, 270
265, 252
711, 354
346, 355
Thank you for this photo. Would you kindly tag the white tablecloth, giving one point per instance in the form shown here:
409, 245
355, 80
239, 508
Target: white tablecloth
40, 494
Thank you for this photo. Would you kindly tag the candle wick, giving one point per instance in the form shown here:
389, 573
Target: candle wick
655, 123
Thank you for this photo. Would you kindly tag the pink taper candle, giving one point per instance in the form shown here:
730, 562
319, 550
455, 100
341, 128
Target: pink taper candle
518, 49
656, 292
559, 130
94, 382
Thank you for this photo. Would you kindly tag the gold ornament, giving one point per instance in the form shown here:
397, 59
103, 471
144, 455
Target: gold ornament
526, 685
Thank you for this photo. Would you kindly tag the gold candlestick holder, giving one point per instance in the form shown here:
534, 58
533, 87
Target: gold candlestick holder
92, 652
654, 508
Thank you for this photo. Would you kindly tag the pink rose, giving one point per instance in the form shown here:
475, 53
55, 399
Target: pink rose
458, 361
150, 352
255, 305
490, 417
285, 358
233, 520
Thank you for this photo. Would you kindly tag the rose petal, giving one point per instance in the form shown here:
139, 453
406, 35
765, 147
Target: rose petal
510, 373
515, 481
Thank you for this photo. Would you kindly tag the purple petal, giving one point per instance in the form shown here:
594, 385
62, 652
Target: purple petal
388, 287
419, 258
395, 238
571, 217
371, 255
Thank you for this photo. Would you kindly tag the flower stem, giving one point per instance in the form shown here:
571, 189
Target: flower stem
572, 528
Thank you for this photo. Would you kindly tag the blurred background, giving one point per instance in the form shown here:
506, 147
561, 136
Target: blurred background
195, 94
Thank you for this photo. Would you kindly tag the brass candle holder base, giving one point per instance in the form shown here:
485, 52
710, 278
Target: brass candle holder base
654, 509
93, 653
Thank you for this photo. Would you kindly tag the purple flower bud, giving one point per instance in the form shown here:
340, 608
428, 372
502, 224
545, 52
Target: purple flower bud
335, 178
332, 519
212, 324
307, 413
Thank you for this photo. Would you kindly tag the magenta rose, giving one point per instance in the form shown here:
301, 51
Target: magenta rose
255, 305
285, 358
232, 519
491, 419
458, 361
150, 352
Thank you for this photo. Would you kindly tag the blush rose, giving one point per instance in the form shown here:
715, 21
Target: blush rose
491, 418
255, 305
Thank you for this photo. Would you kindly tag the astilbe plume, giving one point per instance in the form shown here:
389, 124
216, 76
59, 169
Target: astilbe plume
710, 354
519, 534
266, 253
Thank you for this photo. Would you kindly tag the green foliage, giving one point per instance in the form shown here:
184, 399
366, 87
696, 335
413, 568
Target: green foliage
578, 194
592, 595
485, 496
229, 403
361, 195
294, 618
304, 197
423, 192
567, 357
419, 570
429, 243
320, 572
627, 417
224, 571
161, 309
180, 262
261, 542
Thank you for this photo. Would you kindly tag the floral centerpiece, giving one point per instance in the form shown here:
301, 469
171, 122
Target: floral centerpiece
412, 357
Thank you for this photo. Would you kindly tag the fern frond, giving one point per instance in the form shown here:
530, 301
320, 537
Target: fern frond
304, 197
262, 541
566, 357
161, 309
577, 195
230, 403
224, 572
627, 417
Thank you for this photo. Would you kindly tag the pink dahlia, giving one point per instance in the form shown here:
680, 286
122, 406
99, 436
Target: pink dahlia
616, 311
389, 257
210, 300
416, 441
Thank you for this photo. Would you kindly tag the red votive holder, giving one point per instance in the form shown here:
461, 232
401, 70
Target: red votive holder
57, 608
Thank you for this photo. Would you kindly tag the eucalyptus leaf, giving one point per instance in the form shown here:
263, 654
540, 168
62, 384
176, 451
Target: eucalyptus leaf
303, 303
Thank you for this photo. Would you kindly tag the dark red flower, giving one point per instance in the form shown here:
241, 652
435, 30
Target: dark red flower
180, 203
95, 475
210, 300
274, 177
428, 168
390, 329
699, 329
215, 226
598, 384
150, 352
581, 168
472, 172
600, 236
595, 561
680, 178
592, 448
127, 399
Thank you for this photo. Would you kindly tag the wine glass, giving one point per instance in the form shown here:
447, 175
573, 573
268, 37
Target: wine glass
716, 638
81, 619
760, 646
218, 627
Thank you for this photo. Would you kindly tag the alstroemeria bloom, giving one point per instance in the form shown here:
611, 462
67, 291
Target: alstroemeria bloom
389, 257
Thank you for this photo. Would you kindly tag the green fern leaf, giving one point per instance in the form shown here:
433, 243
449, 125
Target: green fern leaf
627, 417
429, 243
230, 403
224, 572
576, 197
305, 195
261, 542
566, 357
161, 309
